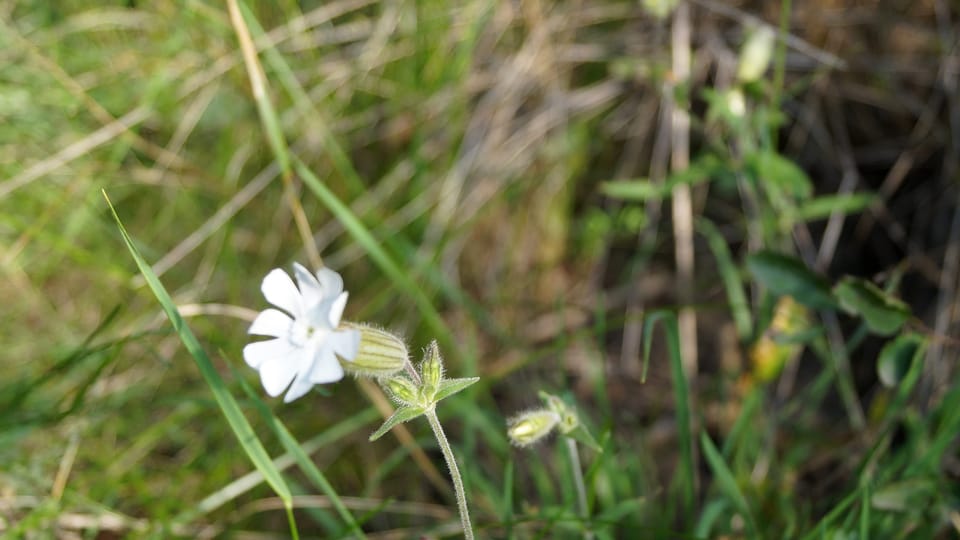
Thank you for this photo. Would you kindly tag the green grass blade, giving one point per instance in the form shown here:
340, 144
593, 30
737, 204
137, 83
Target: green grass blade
318, 123
685, 476
300, 455
833, 516
727, 483
231, 410
362, 235
731, 278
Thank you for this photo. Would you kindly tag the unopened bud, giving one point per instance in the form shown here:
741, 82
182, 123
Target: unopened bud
381, 353
431, 370
568, 415
756, 54
530, 427
403, 390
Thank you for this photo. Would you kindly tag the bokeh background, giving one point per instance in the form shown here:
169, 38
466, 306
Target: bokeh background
476, 142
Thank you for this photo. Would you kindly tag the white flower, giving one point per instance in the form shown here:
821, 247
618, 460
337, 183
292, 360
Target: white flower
306, 342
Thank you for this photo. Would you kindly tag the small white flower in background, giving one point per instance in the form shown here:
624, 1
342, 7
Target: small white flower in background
307, 338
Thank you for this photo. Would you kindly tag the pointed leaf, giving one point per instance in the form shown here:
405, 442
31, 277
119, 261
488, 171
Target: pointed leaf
401, 415
883, 313
844, 203
772, 167
582, 436
449, 387
700, 170
787, 276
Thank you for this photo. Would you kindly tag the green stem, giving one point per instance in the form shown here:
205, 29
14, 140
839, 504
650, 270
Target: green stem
294, 533
578, 482
454, 472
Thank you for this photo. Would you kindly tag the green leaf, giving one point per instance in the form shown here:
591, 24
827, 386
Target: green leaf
583, 436
771, 167
787, 276
633, 190
449, 387
701, 170
883, 313
822, 207
897, 357
228, 405
401, 415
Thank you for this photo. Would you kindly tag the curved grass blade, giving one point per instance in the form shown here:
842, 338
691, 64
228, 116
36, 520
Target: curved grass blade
231, 410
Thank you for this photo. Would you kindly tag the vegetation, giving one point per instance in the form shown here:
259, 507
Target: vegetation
712, 247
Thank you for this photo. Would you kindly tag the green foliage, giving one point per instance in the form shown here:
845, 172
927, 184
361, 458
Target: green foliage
786, 276
883, 313
455, 164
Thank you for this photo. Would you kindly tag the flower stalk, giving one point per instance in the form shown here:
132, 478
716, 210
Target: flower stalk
577, 472
416, 394
454, 472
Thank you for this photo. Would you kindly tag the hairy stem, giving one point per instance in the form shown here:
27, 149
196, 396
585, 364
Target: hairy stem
578, 482
454, 472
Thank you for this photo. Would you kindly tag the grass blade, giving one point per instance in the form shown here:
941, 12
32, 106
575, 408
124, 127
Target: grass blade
300, 455
685, 476
228, 405
727, 482
362, 235
731, 278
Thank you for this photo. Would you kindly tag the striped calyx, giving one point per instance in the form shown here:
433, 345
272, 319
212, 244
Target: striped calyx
381, 353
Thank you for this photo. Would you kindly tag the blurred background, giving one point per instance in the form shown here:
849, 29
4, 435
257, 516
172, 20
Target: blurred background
547, 174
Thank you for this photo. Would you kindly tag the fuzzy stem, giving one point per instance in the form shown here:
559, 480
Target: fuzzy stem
578, 482
454, 472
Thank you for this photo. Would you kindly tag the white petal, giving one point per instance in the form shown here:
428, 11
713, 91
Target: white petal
272, 350
326, 367
301, 385
330, 282
277, 374
310, 288
346, 343
280, 291
336, 310
271, 322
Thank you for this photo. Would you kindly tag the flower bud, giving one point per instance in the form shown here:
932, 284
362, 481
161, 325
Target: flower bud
431, 370
756, 54
567, 415
402, 390
381, 353
531, 426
